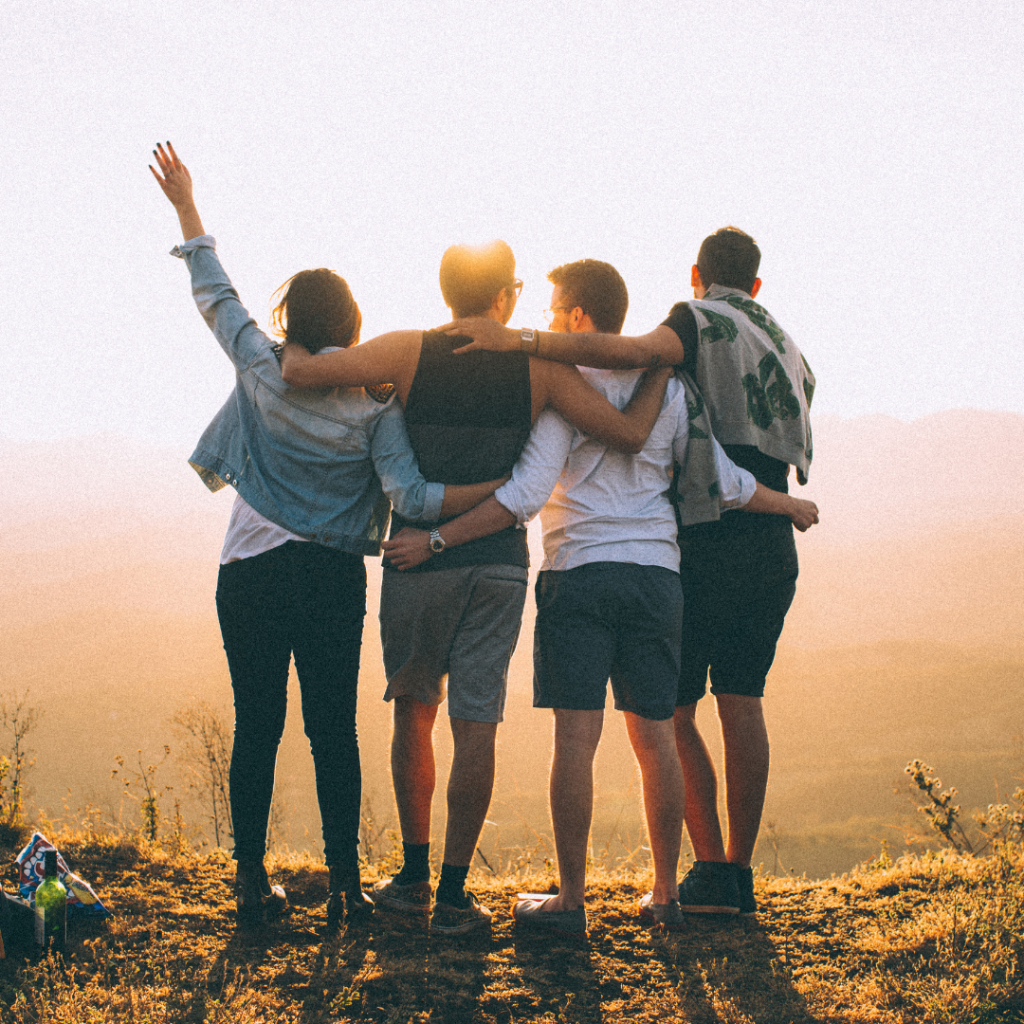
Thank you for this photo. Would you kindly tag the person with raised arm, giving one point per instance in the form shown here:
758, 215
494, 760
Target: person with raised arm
459, 614
314, 474
738, 572
609, 603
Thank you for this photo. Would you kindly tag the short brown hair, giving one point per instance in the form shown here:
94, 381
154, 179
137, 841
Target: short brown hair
729, 257
317, 310
473, 275
597, 288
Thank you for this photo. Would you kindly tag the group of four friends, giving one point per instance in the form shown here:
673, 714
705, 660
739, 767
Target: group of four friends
659, 465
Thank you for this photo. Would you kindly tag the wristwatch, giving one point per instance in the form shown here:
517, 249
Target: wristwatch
436, 541
529, 340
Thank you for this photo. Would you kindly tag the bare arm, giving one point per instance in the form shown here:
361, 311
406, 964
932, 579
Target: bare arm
176, 183
564, 389
603, 351
410, 547
460, 498
803, 514
381, 360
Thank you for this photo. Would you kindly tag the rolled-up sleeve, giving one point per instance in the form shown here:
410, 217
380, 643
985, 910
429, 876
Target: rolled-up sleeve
399, 472
540, 465
736, 486
239, 335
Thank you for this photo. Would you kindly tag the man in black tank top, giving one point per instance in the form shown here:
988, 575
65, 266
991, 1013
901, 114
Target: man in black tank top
459, 616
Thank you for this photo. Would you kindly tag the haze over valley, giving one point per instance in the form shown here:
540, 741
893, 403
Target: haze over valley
905, 640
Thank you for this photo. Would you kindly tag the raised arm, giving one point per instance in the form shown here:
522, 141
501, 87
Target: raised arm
659, 347
176, 183
564, 389
217, 301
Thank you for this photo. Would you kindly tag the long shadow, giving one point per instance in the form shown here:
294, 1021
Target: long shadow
422, 974
334, 986
723, 963
560, 976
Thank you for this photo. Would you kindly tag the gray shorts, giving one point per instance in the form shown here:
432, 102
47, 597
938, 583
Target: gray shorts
462, 623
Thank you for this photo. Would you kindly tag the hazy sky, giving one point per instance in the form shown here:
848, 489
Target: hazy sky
873, 149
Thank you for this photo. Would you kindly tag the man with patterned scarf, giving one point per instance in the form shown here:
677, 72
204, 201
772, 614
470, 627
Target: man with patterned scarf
739, 571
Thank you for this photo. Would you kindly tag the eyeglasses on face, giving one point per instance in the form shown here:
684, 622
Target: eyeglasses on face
517, 287
549, 314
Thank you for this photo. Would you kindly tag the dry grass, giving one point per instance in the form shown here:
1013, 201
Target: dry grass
929, 939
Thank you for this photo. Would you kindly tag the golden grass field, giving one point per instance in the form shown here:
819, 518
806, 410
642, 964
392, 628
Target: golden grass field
934, 938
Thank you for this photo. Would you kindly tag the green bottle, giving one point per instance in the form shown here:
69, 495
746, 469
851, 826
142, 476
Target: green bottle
51, 907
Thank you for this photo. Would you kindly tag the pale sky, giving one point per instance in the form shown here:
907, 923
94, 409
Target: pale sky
873, 149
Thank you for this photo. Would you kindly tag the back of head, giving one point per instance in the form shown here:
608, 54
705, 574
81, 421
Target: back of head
317, 310
729, 257
472, 276
597, 288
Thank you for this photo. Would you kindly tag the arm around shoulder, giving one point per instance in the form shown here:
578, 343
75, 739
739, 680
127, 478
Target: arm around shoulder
589, 411
378, 361
659, 347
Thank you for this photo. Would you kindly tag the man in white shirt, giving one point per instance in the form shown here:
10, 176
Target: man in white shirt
609, 602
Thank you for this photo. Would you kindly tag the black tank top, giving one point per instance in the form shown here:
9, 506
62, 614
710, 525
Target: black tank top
468, 418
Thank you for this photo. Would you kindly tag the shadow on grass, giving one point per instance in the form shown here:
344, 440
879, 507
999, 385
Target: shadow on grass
415, 973
734, 969
560, 977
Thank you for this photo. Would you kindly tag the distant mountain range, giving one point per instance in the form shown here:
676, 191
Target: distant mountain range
921, 527
108, 564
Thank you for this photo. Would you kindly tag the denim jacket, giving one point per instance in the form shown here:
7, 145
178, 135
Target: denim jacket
321, 464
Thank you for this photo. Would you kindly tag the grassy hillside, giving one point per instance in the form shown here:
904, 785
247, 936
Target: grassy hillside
937, 938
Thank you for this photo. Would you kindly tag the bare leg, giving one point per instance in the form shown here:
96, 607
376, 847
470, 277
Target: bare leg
745, 738
469, 788
701, 783
577, 734
654, 746
412, 766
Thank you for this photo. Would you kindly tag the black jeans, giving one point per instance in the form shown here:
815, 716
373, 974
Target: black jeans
308, 600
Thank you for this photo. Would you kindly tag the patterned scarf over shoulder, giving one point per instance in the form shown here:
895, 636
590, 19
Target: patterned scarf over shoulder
757, 385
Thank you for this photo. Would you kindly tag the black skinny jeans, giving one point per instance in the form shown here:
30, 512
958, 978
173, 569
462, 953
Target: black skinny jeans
308, 600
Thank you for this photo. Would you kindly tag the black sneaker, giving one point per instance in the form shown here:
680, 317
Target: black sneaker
709, 888
745, 886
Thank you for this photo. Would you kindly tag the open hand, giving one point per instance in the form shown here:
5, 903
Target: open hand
173, 176
408, 548
486, 334
804, 514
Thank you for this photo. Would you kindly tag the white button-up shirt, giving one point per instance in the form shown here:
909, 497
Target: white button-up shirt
599, 505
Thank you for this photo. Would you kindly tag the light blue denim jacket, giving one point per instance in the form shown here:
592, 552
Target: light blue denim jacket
318, 463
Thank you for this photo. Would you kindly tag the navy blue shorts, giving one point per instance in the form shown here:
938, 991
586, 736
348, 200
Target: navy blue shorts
738, 583
607, 620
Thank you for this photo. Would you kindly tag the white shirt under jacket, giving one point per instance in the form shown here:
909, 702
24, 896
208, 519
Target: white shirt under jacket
599, 505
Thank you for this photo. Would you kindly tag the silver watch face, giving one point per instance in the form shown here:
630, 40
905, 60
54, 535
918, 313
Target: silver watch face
436, 542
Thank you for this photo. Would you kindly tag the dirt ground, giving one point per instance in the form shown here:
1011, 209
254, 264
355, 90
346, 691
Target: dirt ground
826, 951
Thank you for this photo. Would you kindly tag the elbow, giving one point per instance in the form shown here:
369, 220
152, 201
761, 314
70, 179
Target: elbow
631, 444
